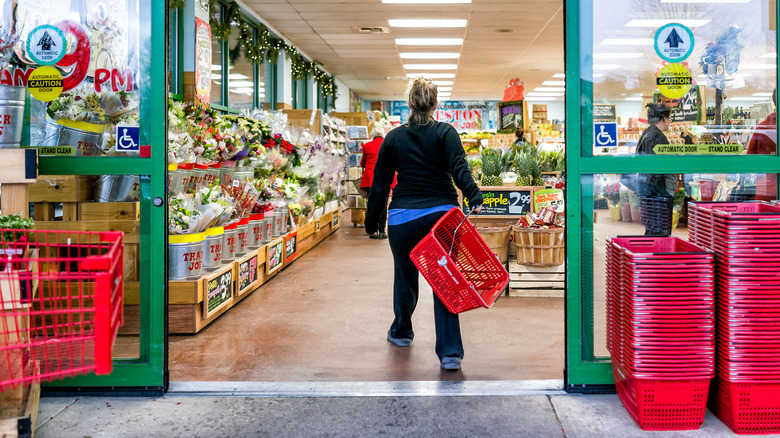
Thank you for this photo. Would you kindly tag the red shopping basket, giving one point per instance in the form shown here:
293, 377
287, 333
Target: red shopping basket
458, 264
60, 303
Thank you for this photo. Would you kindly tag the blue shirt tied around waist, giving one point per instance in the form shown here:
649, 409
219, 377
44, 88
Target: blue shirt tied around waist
398, 216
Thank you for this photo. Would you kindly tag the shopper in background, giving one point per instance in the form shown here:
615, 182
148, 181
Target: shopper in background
764, 142
656, 189
428, 156
520, 134
368, 162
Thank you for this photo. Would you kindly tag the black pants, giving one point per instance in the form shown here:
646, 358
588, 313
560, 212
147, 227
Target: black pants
402, 239
382, 215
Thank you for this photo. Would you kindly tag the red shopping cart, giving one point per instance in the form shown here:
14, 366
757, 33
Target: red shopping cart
460, 267
60, 303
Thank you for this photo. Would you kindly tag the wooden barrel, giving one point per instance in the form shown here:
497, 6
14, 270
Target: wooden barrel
497, 239
539, 246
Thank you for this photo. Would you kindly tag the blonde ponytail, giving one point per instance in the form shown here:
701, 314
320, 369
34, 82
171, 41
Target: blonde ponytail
423, 96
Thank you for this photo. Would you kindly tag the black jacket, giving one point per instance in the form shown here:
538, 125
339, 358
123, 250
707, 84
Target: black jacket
655, 184
427, 158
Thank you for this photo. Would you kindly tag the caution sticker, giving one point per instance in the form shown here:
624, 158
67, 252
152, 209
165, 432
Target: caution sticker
46, 45
674, 80
45, 83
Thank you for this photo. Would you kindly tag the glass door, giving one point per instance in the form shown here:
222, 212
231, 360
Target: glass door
713, 65
101, 142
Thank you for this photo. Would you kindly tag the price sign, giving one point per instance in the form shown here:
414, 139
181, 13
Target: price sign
247, 273
505, 202
219, 291
510, 116
290, 246
274, 256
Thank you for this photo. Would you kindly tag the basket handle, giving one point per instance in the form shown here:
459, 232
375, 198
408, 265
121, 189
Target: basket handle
455, 233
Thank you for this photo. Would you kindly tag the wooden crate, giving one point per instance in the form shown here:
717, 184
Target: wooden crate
106, 211
305, 118
531, 281
62, 188
353, 119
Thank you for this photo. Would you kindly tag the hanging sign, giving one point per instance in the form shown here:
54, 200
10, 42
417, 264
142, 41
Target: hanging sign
508, 201
674, 80
202, 61
510, 116
46, 45
219, 291
45, 83
698, 149
674, 42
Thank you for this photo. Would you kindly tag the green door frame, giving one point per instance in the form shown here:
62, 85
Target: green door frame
147, 373
584, 371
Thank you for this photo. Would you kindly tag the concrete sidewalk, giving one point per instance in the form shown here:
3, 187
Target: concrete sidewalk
466, 416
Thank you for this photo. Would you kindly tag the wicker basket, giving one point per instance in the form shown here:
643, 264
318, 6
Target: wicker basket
539, 246
497, 239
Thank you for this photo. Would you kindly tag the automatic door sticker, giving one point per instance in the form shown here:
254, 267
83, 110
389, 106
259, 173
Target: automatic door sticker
46, 45
45, 83
674, 80
674, 42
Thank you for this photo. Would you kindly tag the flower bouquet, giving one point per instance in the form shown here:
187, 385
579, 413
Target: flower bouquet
612, 193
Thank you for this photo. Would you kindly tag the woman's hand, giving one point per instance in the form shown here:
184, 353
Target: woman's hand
477, 209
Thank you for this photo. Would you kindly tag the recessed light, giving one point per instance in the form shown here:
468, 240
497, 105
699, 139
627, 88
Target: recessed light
450, 89
549, 89
554, 83
432, 75
426, 1
429, 41
429, 55
664, 21
535, 94
559, 75
630, 55
430, 66
444, 83
628, 42
606, 66
427, 22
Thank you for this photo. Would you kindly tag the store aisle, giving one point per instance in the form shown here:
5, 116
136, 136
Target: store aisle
325, 318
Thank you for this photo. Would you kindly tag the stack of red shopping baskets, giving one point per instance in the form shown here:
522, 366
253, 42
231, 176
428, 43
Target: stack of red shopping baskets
661, 329
746, 240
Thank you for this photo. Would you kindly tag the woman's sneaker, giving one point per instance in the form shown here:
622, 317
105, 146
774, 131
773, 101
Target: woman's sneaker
401, 342
451, 363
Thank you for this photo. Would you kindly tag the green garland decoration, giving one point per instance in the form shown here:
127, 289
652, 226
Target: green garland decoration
175, 4
222, 30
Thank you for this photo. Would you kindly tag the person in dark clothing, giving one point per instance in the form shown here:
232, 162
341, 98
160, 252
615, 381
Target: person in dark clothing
764, 142
427, 156
656, 190
368, 162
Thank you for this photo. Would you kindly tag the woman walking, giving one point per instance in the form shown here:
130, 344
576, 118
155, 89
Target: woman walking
428, 156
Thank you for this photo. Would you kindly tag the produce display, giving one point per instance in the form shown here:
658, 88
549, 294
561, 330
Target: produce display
491, 167
546, 218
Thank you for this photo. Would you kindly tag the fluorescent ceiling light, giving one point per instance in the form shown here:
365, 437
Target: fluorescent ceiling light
632, 55
748, 99
444, 82
443, 98
559, 75
430, 66
597, 75
763, 94
757, 66
426, 1
554, 83
664, 21
216, 82
634, 99
542, 99
432, 75
450, 89
535, 94
427, 22
549, 89
628, 42
769, 55
705, 1
216, 67
447, 94
242, 90
429, 41
606, 66
429, 55
239, 84
237, 76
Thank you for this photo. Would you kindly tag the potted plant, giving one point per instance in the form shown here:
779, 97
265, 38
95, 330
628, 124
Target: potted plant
14, 243
11, 97
613, 200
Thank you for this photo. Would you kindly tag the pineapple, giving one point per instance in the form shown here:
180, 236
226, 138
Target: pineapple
491, 168
523, 165
536, 173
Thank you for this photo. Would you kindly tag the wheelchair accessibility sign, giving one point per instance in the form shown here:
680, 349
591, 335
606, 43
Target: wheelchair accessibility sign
605, 135
128, 138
